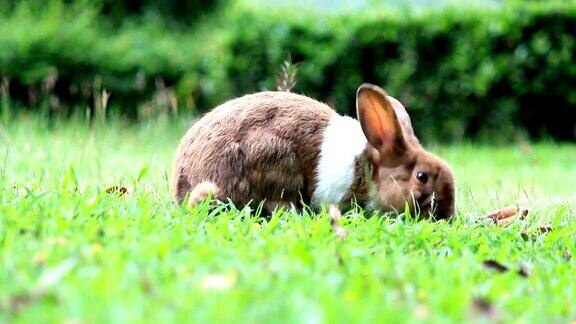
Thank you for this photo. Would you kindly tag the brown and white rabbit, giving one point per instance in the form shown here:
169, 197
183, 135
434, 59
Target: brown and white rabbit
285, 149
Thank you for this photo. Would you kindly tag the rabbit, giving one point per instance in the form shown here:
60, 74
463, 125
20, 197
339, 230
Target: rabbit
287, 150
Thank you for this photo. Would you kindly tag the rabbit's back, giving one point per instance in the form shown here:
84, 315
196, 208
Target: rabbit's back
262, 146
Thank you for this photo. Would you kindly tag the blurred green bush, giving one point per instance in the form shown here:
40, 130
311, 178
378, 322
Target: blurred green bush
185, 12
468, 73
476, 73
62, 56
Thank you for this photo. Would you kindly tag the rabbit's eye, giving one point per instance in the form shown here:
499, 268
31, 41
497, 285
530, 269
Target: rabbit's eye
422, 176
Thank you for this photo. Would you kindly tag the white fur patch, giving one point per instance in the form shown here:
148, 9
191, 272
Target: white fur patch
343, 142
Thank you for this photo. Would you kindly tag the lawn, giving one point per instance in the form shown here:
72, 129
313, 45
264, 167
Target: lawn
72, 252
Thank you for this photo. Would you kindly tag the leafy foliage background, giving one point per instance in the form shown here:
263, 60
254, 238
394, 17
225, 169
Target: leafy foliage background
495, 73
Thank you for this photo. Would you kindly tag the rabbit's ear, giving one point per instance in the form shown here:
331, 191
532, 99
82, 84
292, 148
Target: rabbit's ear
380, 124
405, 122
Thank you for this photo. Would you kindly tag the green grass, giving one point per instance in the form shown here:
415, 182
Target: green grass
69, 251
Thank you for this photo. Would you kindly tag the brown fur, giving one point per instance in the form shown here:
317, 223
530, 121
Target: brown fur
398, 185
260, 147
358, 191
202, 191
393, 187
265, 147
405, 121
396, 157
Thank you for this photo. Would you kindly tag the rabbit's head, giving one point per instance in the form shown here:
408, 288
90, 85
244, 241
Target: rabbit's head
403, 172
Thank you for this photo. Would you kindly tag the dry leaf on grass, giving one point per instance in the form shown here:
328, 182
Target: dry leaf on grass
16, 303
117, 190
495, 265
335, 216
566, 254
533, 234
524, 270
147, 286
545, 229
217, 282
483, 308
506, 216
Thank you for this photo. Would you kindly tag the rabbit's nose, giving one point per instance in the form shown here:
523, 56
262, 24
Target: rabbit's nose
424, 200
416, 195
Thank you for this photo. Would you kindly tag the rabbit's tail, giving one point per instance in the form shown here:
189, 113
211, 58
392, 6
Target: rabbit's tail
202, 191
286, 78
